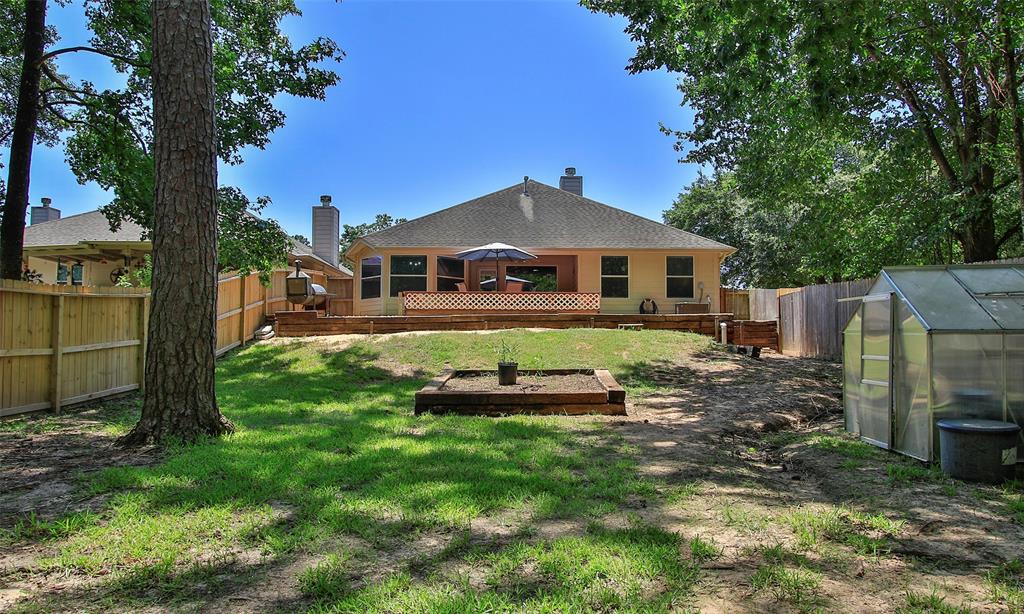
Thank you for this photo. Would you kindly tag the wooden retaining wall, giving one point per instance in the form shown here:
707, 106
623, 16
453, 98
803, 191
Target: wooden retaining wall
61, 345
301, 324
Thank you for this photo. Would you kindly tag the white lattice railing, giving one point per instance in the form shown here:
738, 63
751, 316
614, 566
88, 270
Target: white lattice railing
482, 302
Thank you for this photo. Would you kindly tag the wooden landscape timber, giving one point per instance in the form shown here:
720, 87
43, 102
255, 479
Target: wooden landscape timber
743, 332
434, 398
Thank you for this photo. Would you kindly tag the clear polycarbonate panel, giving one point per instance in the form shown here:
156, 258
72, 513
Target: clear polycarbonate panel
875, 329
1015, 384
873, 413
874, 410
988, 280
910, 385
940, 299
967, 376
851, 372
881, 286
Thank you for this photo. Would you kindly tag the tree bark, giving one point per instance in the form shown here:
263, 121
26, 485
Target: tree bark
179, 402
12, 228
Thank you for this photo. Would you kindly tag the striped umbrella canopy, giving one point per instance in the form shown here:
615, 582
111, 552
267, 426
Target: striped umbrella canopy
496, 252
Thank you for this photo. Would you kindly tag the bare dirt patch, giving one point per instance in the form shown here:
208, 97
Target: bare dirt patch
44, 457
576, 382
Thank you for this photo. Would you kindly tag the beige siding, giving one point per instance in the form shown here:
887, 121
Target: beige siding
647, 277
93, 273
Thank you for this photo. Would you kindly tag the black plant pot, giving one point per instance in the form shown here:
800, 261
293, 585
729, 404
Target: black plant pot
507, 373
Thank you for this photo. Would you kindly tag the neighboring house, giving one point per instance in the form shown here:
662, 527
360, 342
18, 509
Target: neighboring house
82, 249
582, 246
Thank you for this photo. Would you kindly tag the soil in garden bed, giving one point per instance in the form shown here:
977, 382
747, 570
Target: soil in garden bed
574, 382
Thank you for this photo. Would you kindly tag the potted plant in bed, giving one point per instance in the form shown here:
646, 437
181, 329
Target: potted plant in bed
508, 368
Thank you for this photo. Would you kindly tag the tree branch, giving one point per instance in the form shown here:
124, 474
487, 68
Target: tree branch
1009, 234
924, 121
109, 54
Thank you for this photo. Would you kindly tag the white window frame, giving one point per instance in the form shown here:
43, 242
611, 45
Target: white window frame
629, 267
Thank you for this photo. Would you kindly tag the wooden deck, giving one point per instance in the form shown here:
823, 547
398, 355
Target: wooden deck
743, 332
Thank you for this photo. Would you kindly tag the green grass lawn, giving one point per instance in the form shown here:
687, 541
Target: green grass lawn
329, 464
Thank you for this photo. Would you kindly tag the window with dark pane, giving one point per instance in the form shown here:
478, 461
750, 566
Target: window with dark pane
408, 265
369, 277
450, 273
679, 277
408, 283
680, 266
615, 276
408, 274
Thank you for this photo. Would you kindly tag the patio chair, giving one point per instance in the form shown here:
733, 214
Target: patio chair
461, 287
513, 286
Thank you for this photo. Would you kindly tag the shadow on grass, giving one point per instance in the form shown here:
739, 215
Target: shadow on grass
327, 446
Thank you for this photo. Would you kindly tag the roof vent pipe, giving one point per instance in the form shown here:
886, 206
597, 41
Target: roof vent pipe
526, 185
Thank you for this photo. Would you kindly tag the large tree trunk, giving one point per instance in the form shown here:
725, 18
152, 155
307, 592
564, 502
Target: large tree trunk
12, 228
978, 237
179, 400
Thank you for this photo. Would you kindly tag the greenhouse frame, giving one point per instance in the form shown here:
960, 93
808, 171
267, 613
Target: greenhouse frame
928, 343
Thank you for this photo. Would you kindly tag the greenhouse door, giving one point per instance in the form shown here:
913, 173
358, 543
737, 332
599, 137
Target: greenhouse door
875, 414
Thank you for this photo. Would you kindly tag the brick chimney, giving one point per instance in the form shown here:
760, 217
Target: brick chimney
571, 182
326, 230
44, 213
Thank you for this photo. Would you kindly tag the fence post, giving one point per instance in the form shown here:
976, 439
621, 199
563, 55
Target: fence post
143, 339
241, 326
57, 343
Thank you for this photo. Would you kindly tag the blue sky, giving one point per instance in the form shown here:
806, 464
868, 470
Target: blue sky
440, 102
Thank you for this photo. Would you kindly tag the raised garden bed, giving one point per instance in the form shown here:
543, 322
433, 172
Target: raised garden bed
475, 392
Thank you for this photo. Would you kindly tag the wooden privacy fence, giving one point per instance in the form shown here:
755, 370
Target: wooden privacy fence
812, 318
61, 345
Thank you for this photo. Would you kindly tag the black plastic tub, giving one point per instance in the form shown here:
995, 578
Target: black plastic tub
978, 450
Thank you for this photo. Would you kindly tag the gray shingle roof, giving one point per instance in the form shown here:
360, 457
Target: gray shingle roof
74, 229
548, 218
298, 248
92, 226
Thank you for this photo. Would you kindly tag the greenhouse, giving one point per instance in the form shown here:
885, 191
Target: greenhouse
929, 343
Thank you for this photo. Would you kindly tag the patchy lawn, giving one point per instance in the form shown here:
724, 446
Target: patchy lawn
728, 487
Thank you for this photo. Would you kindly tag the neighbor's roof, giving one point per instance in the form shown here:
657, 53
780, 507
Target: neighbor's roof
548, 218
298, 248
968, 297
89, 227
93, 227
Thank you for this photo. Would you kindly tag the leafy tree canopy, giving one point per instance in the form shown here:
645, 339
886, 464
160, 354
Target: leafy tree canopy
108, 132
923, 96
349, 234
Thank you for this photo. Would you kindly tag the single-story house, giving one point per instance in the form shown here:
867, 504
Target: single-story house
82, 249
582, 246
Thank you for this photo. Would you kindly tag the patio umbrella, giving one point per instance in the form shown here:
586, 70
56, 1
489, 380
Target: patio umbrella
497, 251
